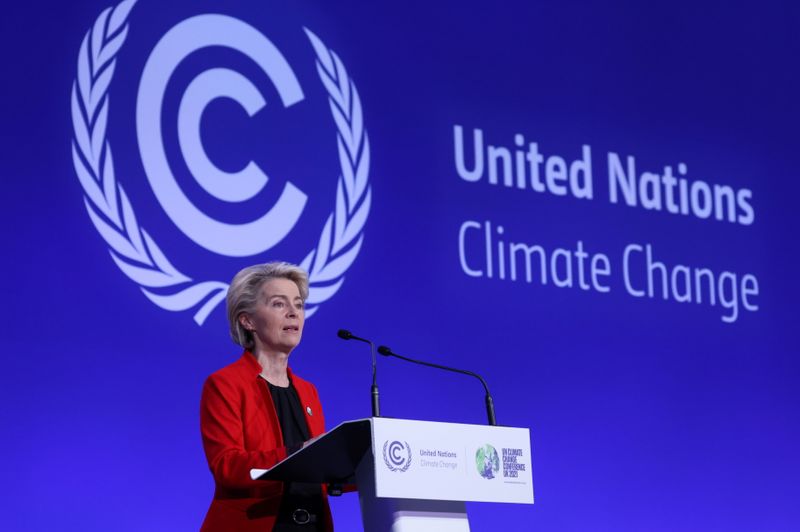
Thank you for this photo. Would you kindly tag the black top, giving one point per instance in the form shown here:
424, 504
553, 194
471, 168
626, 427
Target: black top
295, 432
290, 416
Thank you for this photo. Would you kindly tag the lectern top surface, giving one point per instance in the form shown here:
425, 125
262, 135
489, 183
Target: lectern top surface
329, 458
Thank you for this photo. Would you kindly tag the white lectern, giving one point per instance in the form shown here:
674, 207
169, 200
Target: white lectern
414, 476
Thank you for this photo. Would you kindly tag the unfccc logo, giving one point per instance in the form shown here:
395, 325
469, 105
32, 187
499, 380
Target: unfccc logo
132, 248
397, 455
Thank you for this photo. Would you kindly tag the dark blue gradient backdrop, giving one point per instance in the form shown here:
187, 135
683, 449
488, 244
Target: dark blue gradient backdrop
645, 413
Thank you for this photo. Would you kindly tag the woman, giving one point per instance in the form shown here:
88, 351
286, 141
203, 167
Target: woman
255, 412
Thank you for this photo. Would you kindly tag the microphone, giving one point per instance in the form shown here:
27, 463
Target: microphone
385, 351
344, 334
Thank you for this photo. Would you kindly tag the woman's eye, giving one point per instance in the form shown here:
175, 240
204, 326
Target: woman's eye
277, 304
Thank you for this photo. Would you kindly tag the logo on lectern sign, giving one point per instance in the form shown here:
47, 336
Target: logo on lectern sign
487, 461
397, 455
170, 133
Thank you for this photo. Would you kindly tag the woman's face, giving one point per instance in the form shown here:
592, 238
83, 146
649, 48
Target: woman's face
277, 321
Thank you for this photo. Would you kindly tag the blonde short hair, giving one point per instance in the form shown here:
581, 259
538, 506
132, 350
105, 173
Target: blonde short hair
245, 288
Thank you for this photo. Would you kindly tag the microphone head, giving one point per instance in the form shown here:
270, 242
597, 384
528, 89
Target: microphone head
344, 334
385, 351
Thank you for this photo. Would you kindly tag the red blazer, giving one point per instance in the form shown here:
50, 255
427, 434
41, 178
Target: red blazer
241, 431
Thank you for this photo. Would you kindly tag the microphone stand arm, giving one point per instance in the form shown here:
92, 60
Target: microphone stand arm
376, 402
385, 351
344, 334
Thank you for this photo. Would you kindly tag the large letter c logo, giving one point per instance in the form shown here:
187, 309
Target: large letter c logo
186, 37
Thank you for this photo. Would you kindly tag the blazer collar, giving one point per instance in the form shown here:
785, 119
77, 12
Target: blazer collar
253, 367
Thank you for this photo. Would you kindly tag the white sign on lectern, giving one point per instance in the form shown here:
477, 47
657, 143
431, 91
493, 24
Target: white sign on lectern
451, 461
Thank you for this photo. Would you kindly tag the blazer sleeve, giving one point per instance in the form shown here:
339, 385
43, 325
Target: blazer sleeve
223, 437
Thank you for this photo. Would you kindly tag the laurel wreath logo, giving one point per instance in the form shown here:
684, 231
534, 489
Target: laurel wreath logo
390, 458
135, 252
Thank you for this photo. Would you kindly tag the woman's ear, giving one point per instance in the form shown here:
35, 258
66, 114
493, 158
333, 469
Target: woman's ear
246, 322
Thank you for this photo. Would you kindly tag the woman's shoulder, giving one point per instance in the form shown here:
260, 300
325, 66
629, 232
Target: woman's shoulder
301, 383
241, 369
